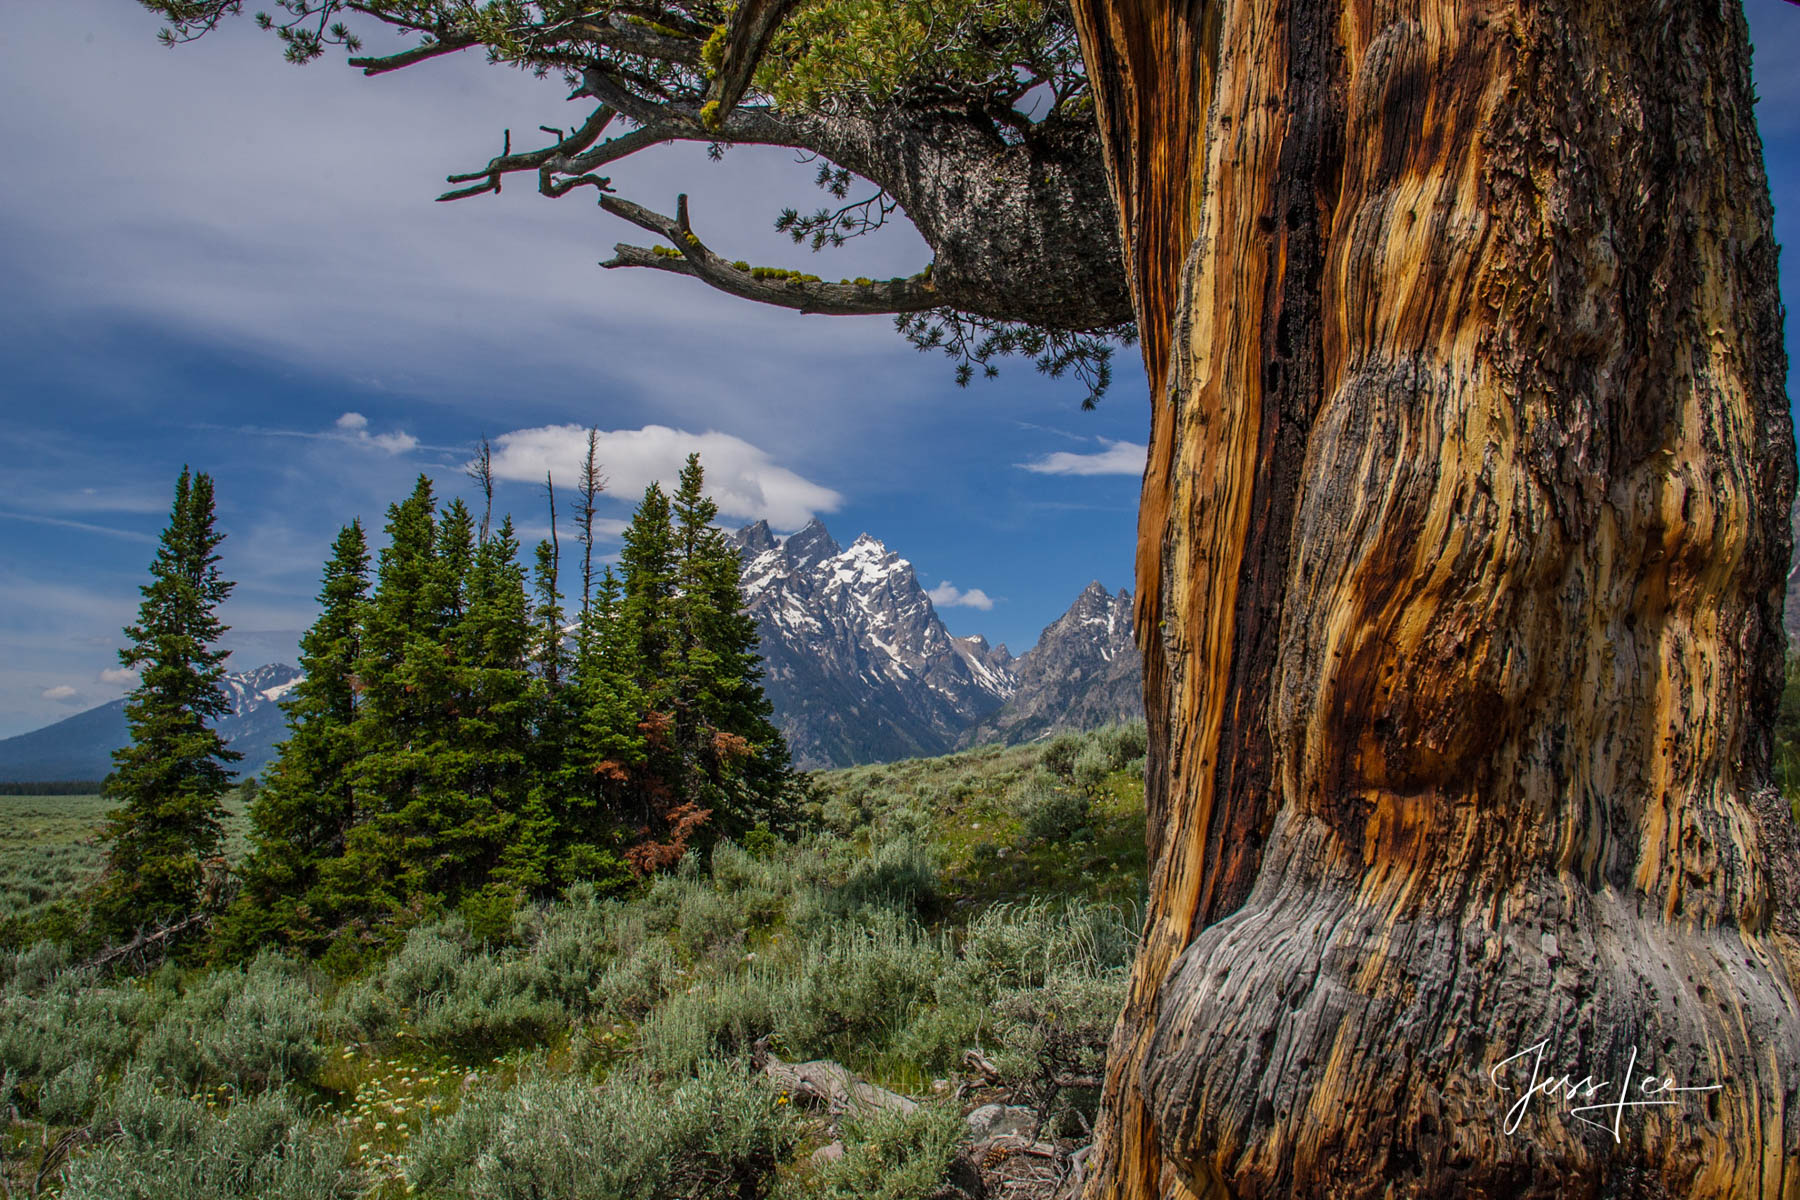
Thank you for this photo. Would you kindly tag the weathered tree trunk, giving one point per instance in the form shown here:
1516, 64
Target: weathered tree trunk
1460, 564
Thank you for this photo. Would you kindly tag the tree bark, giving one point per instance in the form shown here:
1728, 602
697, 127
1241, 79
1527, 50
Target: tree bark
1460, 570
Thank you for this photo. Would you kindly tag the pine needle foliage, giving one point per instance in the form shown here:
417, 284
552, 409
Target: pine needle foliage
458, 743
170, 780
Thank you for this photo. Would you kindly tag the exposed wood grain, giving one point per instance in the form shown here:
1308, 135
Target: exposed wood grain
1460, 566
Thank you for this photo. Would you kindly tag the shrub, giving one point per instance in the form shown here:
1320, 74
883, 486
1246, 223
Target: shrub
496, 1005
169, 1148
1060, 1028
248, 1027
456, 998
715, 1018
67, 1020
715, 1135
936, 1037
32, 968
892, 1156
1122, 744
1092, 766
900, 874
635, 983
857, 985
1013, 946
706, 918
1060, 751
68, 1096
1055, 814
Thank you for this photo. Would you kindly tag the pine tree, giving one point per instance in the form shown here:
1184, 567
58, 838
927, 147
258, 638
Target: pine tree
505, 825
401, 629
303, 815
448, 828
647, 566
712, 760
605, 747
735, 758
170, 781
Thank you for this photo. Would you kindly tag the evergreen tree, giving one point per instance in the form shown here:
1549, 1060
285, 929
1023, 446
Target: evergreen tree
605, 748
304, 813
401, 648
735, 758
505, 825
647, 565
170, 781
446, 830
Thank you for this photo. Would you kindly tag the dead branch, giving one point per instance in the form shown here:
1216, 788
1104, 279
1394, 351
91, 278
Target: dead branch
157, 940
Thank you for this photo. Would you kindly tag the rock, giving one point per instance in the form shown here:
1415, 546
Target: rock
830, 1152
1001, 1120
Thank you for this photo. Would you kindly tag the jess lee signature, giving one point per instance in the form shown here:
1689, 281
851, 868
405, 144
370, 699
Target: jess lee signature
1652, 1091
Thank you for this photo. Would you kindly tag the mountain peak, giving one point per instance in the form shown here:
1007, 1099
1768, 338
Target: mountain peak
755, 538
1083, 672
811, 545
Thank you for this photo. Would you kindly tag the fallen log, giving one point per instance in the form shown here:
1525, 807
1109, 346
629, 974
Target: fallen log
829, 1084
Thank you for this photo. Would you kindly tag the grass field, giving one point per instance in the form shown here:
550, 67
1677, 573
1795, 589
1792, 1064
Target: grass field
596, 1048
50, 848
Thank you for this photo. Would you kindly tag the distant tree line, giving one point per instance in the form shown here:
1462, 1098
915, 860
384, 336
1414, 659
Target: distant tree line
463, 735
50, 787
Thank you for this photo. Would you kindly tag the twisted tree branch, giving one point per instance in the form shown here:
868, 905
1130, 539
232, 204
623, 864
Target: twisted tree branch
551, 161
783, 289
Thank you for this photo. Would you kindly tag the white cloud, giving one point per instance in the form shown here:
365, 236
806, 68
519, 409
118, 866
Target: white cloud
1119, 458
61, 692
740, 477
350, 429
118, 677
353, 427
947, 595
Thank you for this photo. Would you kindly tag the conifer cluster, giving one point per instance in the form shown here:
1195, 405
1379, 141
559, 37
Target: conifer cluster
460, 738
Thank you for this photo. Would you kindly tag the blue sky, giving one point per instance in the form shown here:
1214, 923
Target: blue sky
210, 257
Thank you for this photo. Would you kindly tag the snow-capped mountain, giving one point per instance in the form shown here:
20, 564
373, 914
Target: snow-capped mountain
81, 746
1085, 671
860, 669
856, 662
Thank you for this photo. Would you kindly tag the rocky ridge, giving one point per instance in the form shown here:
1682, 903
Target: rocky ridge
860, 668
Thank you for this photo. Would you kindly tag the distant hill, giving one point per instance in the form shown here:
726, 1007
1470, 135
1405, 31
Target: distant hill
81, 746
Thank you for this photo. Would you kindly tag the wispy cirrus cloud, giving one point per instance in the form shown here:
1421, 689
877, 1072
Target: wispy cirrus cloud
350, 429
1118, 458
130, 535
